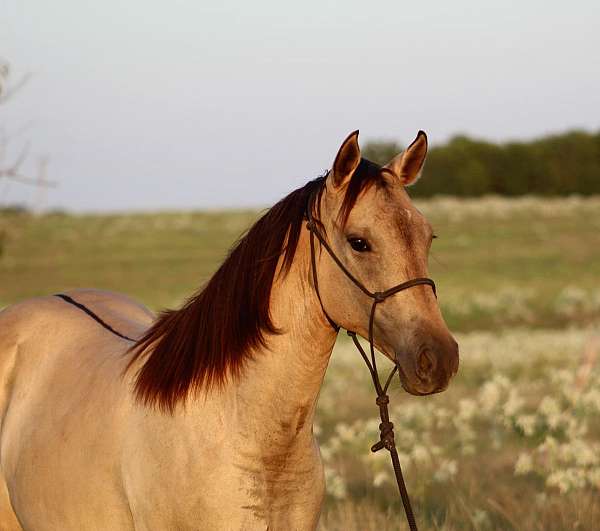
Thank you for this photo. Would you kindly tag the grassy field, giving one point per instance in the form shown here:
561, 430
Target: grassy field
497, 262
513, 444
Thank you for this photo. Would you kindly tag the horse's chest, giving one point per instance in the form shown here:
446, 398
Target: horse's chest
277, 488
236, 487
281, 483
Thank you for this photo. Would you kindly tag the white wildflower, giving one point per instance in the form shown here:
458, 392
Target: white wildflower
336, 486
549, 406
567, 479
593, 477
489, 397
446, 470
381, 478
513, 404
527, 423
481, 519
524, 464
420, 454
591, 399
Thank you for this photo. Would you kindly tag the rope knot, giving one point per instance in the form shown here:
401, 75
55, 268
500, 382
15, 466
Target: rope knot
310, 225
382, 400
386, 435
379, 296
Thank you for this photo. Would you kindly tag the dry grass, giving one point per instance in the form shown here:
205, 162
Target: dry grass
513, 444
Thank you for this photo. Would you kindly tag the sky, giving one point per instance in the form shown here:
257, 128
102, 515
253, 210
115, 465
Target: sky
147, 105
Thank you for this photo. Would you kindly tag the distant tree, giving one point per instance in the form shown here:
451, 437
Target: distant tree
381, 151
561, 164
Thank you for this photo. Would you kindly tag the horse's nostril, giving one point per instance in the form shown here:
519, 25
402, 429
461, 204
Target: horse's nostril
426, 363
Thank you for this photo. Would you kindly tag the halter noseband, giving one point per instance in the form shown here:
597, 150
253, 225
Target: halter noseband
386, 427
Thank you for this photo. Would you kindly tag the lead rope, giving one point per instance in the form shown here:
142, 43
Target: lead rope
386, 428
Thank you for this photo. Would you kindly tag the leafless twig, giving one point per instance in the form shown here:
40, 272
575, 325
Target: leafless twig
6, 91
12, 171
13, 175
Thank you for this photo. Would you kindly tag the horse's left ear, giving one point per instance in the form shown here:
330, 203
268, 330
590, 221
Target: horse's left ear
409, 164
346, 161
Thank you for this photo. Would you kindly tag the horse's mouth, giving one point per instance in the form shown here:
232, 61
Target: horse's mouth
410, 388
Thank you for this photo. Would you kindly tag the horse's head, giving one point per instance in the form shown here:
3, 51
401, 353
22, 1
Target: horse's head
383, 240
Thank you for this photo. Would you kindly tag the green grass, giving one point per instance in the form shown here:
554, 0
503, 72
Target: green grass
518, 281
157, 258
496, 262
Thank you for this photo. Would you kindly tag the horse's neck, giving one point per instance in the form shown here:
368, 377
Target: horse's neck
278, 391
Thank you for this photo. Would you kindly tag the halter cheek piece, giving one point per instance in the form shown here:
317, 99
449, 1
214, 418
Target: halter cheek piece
386, 428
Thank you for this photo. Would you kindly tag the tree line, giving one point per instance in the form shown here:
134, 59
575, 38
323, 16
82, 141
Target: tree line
561, 164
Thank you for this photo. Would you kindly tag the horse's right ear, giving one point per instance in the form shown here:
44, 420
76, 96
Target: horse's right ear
408, 165
346, 161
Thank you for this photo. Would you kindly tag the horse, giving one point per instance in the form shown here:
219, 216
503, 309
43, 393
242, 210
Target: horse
202, 417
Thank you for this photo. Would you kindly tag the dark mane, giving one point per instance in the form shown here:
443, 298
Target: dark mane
210, 338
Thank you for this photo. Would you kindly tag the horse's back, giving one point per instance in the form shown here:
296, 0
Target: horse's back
64, 400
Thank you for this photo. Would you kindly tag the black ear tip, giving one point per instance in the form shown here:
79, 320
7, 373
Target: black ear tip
352, 137
422, 133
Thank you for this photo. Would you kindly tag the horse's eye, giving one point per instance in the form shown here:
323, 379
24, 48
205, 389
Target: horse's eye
360, 245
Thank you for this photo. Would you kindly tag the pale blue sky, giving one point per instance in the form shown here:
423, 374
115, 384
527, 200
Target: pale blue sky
178, 104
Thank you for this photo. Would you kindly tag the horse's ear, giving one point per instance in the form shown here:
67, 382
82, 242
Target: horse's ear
346, 161
408, 164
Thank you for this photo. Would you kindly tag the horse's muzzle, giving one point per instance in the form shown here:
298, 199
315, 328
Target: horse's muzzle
431, 369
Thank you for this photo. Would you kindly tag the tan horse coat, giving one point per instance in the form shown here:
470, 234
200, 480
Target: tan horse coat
79, 453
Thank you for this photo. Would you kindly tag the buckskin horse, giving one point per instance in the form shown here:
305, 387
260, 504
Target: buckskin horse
201, 418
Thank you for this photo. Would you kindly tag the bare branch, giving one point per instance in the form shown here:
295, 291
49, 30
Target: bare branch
12, 172
14, 175
21, 158
7, 92
11, 91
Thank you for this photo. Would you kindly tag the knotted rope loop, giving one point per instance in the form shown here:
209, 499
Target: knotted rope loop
386, 428
386, 437
379, 296
382, 400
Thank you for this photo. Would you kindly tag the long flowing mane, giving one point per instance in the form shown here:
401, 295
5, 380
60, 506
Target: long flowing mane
214, 333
